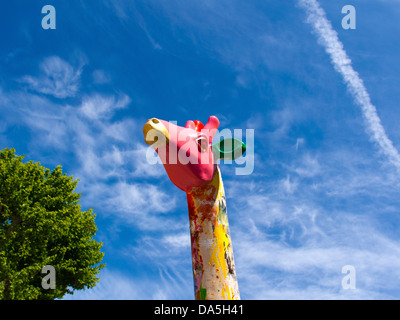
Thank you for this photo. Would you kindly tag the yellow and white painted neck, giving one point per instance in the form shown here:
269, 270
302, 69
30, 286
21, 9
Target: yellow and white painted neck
212, 255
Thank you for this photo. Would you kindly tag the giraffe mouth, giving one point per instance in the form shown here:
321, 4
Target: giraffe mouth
155, 133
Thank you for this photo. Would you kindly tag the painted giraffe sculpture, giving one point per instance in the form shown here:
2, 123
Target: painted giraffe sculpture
190, 160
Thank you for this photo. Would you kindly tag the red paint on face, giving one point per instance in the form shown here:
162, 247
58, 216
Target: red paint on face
189, 160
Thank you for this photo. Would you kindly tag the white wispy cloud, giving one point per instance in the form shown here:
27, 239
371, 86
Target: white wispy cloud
100, 77
308, 167
99, 106
329, 39
57, 78
139, 203
288, 185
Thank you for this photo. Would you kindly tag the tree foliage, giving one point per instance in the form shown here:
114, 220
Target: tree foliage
41, 223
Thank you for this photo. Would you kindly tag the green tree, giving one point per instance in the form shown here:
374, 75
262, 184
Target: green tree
41, 223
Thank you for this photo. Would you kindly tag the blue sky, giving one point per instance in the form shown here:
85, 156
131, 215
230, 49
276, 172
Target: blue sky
323, 102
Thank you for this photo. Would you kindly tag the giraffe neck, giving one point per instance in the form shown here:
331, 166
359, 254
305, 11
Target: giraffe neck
212, 255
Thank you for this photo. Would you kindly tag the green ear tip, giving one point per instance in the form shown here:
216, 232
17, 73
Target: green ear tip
229, 149
243, 147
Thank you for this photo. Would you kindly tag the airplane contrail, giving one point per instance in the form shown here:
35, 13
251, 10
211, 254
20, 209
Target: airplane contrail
329, 39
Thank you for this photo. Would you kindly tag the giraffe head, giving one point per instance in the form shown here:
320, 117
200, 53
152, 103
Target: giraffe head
188, 153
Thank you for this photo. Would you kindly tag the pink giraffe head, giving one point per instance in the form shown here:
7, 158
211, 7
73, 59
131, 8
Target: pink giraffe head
187, 153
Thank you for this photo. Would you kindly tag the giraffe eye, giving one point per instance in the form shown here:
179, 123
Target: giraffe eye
202, 144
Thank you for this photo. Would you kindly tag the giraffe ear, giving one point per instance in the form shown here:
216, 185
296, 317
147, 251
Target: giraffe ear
190, 124
228, 149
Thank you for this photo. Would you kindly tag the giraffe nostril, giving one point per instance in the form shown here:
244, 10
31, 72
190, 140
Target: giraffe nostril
155, 121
